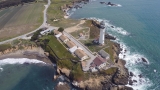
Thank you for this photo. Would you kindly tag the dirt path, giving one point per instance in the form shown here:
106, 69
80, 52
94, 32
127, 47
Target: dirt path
76, 27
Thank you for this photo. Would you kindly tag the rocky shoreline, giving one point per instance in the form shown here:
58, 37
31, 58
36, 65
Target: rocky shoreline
99, 81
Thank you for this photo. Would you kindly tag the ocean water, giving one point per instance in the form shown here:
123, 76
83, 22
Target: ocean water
137, 28
25, 74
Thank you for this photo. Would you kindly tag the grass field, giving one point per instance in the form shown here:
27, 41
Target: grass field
54, 12
19, 20
58, 48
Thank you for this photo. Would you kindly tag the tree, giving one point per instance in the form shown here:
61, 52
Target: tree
61, 29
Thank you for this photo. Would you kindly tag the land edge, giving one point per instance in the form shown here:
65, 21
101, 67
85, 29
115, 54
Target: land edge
104, 82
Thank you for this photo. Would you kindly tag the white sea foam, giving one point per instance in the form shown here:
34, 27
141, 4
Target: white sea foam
19, 61
1, 69
116, 5
132, 59
111, 27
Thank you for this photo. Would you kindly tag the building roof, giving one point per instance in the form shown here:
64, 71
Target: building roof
97, 61
70, 44
103, 54
80, 53
58, 35
62, 37
73, 49
56, 32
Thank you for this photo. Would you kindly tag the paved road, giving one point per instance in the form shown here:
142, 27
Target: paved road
44, 24
86, 50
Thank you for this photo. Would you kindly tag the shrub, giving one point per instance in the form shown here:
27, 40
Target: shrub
61, 29
4, 47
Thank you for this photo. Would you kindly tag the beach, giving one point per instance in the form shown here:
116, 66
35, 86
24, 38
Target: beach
34, 53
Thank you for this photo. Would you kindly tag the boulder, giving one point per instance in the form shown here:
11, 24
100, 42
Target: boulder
107, 36
121, 77
131, 74
130, 82
144, 60
140, 75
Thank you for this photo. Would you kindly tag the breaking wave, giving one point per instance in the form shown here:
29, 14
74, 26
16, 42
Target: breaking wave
111, 27
133, 59
19, 61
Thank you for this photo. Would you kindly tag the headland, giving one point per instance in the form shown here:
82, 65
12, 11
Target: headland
75, 48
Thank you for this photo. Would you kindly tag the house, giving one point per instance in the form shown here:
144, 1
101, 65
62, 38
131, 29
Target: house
73, 49
81, 54
63, 38
97, 63
57, 33
104, 54
45, 32
70, 44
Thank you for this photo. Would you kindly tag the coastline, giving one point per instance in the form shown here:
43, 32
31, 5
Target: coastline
20, 54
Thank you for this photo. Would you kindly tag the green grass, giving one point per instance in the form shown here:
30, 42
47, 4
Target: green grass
109, 50
92, 46
54, 12
58, 48
65, 64
109, 71
20, 20
76, 33
77, 73
4, 47
94, 31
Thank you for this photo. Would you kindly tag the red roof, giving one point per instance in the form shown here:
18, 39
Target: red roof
97, 61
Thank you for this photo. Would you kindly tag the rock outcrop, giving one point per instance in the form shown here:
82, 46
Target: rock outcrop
120, 87
107, 36
121, 77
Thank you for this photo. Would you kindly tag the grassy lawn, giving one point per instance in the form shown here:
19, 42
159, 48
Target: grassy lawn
94, 31
109, 71
20, 19
76, 33
57, 48
92, 46
65, 64
77, 73
54, 12
3, 47
109, 50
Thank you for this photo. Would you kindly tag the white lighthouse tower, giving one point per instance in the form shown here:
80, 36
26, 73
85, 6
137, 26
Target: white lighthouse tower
102, 33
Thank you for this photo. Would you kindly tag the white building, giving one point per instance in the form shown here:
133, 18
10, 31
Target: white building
81, 54
102, 33
57, 33
63, 38
45, 32
104, 54
97, 63
73, 49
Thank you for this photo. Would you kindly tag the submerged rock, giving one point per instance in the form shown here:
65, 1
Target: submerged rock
62, 86
107, 36
131, 74
144, 60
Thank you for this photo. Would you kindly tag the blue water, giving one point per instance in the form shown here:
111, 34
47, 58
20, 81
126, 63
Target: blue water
27, 77
141, 20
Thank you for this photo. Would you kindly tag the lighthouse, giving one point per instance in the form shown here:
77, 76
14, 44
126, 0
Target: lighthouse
102, 33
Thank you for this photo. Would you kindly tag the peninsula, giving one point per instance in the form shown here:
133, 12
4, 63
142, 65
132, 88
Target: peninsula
81, 49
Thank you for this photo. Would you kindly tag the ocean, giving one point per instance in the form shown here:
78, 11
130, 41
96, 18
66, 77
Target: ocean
136, 27
26, 74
